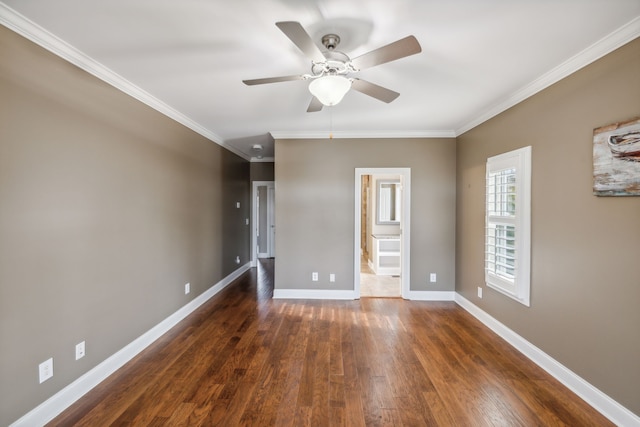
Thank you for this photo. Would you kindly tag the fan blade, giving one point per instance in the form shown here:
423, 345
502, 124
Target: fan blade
396, 50
300, 38
272, 80
373, 90
314, 105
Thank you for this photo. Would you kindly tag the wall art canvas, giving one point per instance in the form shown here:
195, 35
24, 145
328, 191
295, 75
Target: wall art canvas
616, 159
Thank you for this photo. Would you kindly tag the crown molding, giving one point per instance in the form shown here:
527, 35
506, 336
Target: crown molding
325, 134
35, 33
602, 47
30, 30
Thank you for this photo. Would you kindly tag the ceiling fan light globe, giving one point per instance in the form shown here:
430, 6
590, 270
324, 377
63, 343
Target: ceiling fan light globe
330, 89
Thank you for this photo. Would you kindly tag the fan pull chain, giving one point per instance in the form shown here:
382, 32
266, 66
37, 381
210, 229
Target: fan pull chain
330, 122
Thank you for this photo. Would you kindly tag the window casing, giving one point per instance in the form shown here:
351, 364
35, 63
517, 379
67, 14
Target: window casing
508, 224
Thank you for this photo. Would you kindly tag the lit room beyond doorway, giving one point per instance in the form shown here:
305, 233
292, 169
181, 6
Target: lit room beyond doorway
380, 236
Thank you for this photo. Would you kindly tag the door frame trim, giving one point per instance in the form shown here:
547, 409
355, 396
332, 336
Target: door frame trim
405, 257
254, 219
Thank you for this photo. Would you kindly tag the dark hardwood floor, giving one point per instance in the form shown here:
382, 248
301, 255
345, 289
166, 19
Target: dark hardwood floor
246, 359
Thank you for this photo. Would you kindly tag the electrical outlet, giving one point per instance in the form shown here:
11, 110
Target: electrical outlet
479, 292
80, 350
237, 205
246, 221
45, 370
314, 276
187, 288
332, 277
432, 277
237, 260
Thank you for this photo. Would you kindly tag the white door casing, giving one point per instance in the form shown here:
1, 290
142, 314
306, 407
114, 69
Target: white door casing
405, 221
255, 226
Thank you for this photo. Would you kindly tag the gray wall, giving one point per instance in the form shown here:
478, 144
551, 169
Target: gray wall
262, 171
107, 208
585, 280
315, 208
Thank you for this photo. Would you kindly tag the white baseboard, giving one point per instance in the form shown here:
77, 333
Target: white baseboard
313, 294
60, 401
431, 295
350, 294
608, 407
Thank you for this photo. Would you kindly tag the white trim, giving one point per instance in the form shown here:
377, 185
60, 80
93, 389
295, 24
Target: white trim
271, 222
254, 223
431, 295
263, 160
519, 288
27, 28
60, 401
371, 134
313, 294
604, 404
602, 47
349, 295
405, 224
32, 31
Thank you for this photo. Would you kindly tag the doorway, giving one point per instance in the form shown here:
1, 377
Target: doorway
263, 231
382, 224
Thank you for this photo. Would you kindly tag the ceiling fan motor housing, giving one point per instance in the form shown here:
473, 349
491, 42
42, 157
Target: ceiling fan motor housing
331, 41
337, 63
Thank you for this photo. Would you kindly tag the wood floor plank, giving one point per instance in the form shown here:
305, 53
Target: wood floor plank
297, 340
244, 358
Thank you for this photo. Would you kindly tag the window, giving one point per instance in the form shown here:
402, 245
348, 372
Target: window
508, 224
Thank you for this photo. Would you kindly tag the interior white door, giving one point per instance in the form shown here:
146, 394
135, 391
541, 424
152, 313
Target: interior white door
271, 220
261, 229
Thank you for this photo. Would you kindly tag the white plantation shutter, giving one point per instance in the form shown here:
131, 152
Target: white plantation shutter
508, 224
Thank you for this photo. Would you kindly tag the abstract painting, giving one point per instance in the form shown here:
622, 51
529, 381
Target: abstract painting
616, 159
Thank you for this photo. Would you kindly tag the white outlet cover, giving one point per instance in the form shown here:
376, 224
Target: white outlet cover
80, 350
187, 288
432, 277
332, 277
45, 370
479, 292
314, 276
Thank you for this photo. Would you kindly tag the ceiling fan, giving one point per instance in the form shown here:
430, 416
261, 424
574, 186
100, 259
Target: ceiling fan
331, 70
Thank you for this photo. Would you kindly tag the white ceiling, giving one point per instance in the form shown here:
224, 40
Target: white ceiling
188, 58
